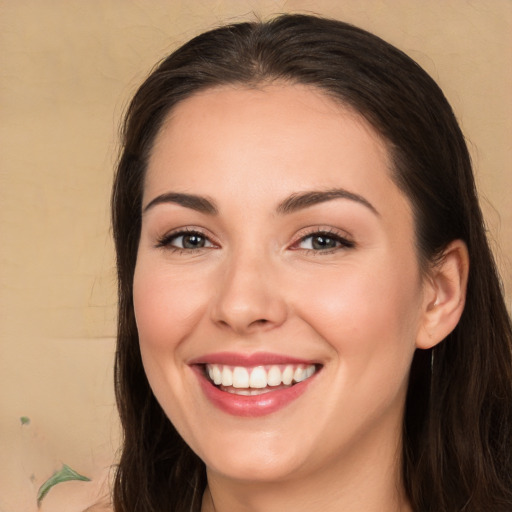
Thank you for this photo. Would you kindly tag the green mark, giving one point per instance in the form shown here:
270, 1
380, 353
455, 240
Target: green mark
65, 474
25, 420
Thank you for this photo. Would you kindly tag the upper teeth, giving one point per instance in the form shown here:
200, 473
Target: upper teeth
258, 376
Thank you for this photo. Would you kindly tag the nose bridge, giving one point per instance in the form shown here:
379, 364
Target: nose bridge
248, 296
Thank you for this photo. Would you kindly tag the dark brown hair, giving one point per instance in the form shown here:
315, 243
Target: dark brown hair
457, 427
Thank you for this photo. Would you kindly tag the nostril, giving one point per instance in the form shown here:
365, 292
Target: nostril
262, 321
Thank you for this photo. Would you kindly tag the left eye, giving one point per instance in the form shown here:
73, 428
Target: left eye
323, 242
186, 240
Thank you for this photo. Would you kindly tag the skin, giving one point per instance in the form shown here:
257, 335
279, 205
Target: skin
259, 285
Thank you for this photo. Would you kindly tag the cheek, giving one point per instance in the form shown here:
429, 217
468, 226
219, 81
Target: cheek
370, 326
365, 314
167, 309
166, 305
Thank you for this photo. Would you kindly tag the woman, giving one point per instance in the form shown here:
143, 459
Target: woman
310, 316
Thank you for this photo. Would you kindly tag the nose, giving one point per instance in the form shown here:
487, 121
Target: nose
249, 297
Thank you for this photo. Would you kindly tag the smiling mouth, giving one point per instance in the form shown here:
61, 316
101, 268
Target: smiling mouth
257, 380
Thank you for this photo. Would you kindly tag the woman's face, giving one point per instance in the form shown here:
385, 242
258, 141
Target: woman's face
277, 258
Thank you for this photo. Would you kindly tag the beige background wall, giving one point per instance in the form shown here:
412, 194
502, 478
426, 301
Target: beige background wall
67, 68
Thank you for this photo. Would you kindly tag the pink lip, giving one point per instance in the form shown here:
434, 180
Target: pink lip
254, 405
255, 359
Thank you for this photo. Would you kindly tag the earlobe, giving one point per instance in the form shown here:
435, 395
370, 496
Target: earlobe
445, 295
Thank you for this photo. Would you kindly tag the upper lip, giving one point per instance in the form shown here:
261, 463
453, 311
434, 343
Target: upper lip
248, 360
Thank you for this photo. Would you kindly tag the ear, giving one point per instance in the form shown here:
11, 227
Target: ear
444, 295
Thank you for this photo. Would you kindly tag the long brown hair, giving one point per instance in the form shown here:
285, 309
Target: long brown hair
457, 427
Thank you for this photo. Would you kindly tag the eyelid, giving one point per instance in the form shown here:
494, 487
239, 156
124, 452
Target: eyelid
165, 240
341, 236
345, 240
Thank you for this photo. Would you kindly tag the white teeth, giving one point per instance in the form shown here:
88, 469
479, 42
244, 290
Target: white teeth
248, 391
299, 374
244, 392
274, 376
258, 378
240, 377
288, 375
217, 376
227, 376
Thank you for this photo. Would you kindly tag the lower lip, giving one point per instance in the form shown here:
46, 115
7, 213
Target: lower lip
253, 405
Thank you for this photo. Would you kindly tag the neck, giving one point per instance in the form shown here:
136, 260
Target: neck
368, 479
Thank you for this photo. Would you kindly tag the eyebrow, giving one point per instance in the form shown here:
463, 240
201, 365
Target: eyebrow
195, 202
306, 199
291, 204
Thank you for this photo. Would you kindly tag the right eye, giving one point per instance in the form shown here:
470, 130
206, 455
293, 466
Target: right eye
185, 240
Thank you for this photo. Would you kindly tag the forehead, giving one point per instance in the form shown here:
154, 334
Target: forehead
272, 125
254, 146
263, 110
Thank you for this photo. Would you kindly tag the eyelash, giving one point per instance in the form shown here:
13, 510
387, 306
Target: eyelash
165, 242
341, 242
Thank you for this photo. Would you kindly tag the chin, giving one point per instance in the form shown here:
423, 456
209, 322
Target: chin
262, 471
255, 459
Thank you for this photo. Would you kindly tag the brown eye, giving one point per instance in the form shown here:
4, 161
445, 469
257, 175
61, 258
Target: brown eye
192, 241
321, 242
324, 242
185, 240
